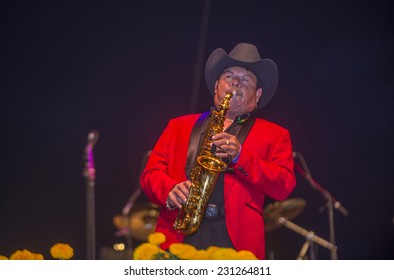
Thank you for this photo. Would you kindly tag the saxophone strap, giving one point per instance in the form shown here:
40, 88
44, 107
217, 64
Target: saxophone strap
194, 142
245, 122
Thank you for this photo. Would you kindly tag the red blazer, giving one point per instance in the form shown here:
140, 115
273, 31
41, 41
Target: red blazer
265, 167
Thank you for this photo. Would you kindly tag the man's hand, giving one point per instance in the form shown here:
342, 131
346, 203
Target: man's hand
178, 195
228, 144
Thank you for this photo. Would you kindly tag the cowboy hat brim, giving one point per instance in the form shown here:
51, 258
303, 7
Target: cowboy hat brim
265, 70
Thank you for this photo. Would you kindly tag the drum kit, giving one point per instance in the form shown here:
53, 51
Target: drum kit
280, 213
142, 218
139, 223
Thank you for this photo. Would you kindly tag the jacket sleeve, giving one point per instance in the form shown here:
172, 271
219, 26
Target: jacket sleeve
155, 179
271, 170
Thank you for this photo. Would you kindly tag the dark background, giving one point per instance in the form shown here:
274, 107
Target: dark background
125, 68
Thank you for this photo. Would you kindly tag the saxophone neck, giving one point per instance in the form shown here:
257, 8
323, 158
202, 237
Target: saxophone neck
225, 104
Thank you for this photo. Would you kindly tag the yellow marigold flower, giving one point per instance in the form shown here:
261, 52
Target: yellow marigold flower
200, 255
212, 249
177, 248
183, 251
22, 255
146, 251
38, 256
224, 254
156, 238
2, 258
62, 251
246, 255
188, 254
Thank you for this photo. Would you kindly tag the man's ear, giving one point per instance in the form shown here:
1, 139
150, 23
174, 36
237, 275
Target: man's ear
216, 86
259, 93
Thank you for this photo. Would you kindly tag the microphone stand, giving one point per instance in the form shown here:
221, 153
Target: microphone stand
332, 203
89, 173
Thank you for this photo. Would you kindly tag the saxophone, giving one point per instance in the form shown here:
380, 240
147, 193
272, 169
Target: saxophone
204, 174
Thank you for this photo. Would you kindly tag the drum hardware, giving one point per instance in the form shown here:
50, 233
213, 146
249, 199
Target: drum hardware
311, 238
331, 202
136, 221
140, 222
289, 209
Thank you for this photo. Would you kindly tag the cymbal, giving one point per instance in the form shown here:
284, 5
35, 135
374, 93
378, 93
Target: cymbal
289, 209
141, 221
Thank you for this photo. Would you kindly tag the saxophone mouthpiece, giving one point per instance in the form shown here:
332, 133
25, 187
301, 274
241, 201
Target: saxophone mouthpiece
234, 91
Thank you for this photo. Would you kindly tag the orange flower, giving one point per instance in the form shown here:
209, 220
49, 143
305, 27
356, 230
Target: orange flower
182, 250
2, 258
224, 254
62, 251
146, 251
246, 255
38, 256
156, 238
22, 255
200, 255
211, 250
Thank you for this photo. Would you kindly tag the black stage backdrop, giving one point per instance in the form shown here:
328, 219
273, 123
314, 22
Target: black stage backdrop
125, 68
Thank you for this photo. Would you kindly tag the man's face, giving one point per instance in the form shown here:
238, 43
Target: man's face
245, 82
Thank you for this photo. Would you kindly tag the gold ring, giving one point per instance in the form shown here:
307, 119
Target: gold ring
228, 142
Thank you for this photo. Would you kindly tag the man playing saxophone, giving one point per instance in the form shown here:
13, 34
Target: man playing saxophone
256, 154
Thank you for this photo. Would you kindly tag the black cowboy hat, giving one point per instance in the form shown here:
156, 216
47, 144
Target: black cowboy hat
247, 56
